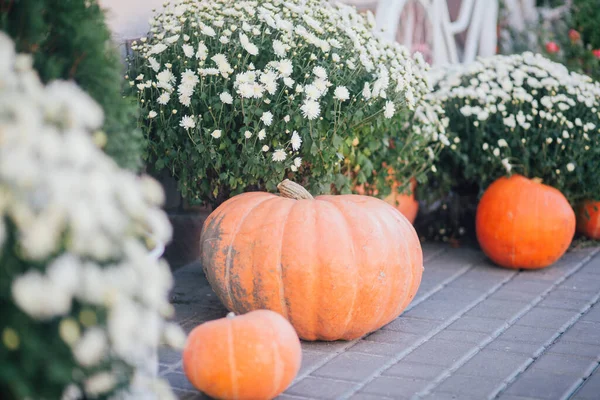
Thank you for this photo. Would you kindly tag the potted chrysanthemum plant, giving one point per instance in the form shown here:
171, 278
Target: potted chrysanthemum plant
529, 118
83, 302
237, 95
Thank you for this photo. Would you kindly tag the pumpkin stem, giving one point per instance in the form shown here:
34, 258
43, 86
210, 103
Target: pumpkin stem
537, 180
292, 190
231, 315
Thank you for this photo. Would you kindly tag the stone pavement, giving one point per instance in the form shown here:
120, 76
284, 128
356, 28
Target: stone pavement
474, 331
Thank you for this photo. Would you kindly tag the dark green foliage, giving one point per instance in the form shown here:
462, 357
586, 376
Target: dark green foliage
586, 19
69, 40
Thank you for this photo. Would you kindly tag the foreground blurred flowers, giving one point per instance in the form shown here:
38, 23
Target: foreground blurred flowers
83, 304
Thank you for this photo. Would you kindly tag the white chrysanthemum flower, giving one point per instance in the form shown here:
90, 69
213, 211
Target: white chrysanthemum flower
496, 152
262, 134
187, 122
389, 109
267, 118
247, 45
279, 48
312, 92
285, 68
165, 76
502, 143
152, 114
289, 82
320, 72
202, 52
189, 78
224, 39
100, 383
185, 100
286, 119
164, 98
366, 92
222, 64
296, 141
506, 164
570, 167
40, 297
226, 98
335, 57
207, 30
188, 50
279, 155
341, 93
297, 162
265, 148
91, 348
216, 133
155, 65
310, 109
157, 48
172, 39
247, 134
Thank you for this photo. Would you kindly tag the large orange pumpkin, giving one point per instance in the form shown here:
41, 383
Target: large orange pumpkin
522, 223
337, 267
588, 219
250, 357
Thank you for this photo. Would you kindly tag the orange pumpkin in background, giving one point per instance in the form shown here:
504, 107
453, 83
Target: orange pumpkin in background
588, 219
522, 223
249, 357
405, 203
337, 267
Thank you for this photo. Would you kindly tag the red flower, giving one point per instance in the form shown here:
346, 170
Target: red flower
574, 35
552, 47
596, 53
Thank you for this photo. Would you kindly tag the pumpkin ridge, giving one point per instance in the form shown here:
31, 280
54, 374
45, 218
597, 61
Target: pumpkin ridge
393, 213
284, 306
232, 363
352, 247
278, 368
229, 258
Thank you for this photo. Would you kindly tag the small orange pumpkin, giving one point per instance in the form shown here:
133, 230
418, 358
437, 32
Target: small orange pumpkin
522, 223
337, 267
405, 203
588, 219
249, 357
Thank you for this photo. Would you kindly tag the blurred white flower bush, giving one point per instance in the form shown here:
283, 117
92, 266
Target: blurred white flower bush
83, 304
238, 95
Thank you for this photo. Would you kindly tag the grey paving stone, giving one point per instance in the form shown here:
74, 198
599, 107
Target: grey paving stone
168, 357
584, 283
476, 324
350, 367
385, 336
378, 348
499, 309
505, 396
320, 388
179, 381
329, 347
481, 278
493, 364
557, 299
411, 325
395, 387
529, 334
526, 348
414, 370
453, 293
518, 284
456, 259
593, 314
435, 395
590, 390
583, 332
310, 359
440, 352
478, 387
286, 396
437, 309
541, 384
366, 396
585, 350
186, 395
509, 294
545, 318
462, 336
563, 364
